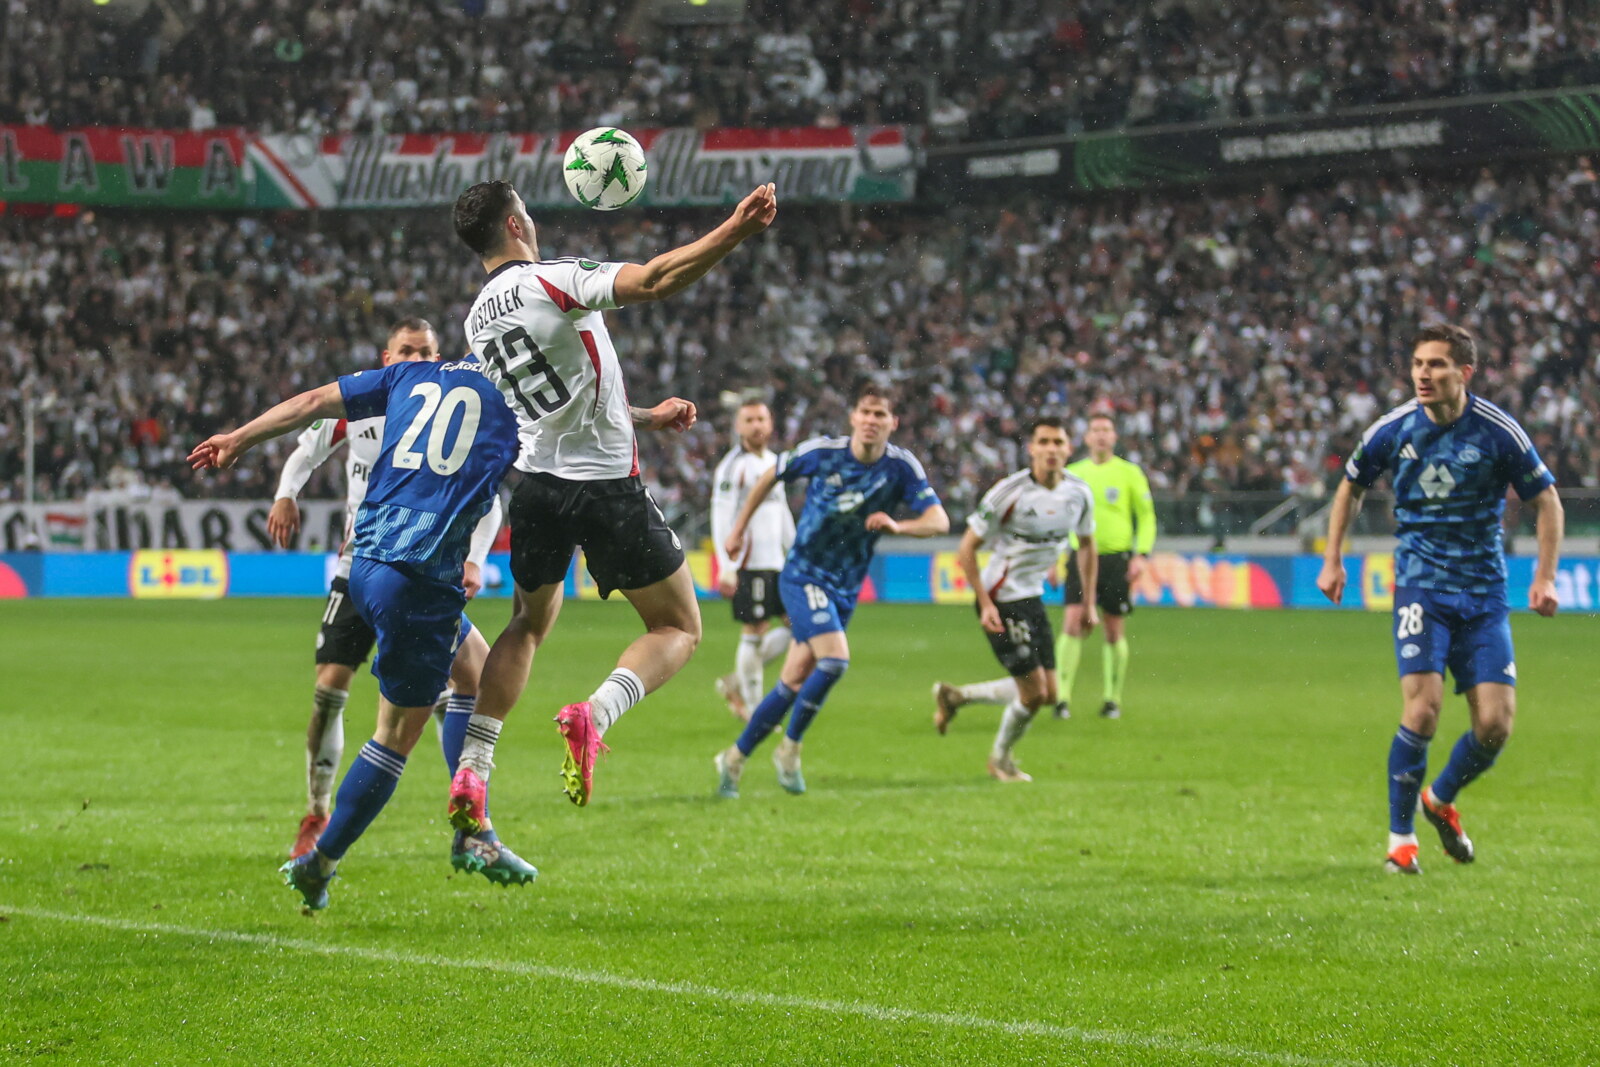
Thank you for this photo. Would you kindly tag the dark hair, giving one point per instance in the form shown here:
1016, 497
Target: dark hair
480, 213
1053, 422
1463, 350
870, 389
411, 322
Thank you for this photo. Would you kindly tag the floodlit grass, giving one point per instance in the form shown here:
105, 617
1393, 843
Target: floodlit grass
1197, 883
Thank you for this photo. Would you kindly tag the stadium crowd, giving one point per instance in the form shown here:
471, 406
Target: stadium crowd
1243, 340
1001, 69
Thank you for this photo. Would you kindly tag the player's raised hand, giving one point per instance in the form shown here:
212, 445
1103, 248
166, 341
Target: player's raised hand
756, 211
283, 521
1542, 597
879, 520
220, 451
1331, 580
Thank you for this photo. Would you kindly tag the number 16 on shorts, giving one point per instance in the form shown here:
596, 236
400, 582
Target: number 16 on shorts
812, 608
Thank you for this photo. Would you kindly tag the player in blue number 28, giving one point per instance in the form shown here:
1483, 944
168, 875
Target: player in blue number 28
1450, 456
448, 440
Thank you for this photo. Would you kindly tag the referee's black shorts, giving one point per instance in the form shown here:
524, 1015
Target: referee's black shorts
1112, 592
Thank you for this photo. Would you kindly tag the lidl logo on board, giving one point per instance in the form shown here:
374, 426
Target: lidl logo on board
185, 573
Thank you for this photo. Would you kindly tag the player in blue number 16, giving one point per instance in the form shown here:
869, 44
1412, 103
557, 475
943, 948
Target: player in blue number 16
854, 482
1450, 456
448, 440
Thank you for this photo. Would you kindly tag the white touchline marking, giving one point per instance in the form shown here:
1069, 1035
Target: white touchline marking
878, 1013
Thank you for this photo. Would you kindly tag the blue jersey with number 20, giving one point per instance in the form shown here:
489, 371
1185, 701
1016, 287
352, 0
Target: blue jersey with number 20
448, 440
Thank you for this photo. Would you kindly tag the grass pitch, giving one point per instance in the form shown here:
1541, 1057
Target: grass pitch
1197, 883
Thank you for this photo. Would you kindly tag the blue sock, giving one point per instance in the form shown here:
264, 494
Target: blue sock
453, 737
1408, 764
765, 719
366, 788
813, 691
1468, 759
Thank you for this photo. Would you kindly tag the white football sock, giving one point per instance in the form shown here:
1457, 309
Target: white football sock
322, 766
619, 692
477, 752
774, 643
999, 691
747, 669
1396, 840
1013, 724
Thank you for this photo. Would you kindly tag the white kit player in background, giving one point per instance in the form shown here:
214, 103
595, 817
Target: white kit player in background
751, 581
345, 640
1027, 520
539, 327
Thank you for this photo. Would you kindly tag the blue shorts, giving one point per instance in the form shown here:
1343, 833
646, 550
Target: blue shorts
1470, 633
813, 608
419, 623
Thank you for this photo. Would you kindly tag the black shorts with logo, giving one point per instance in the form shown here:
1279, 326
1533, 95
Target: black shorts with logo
1112, 592
757, 599
345, 637
1026, 642
626, 541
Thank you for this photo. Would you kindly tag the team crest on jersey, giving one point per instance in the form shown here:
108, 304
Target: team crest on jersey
1470, 454
1112, 493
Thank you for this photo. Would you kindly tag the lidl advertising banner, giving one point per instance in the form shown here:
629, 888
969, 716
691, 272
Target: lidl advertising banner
1179, 580
233, 168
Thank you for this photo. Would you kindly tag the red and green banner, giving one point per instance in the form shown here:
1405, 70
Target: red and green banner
237, 169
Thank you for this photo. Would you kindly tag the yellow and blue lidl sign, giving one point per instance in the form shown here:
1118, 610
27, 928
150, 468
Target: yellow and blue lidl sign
179, 574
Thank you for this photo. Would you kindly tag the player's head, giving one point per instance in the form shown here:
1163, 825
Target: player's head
1443, 358
753, 424
1101, 436
491, 219
872, 417
410, 340
1049, 447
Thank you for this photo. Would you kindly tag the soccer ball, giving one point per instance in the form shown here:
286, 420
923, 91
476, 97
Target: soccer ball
605, 168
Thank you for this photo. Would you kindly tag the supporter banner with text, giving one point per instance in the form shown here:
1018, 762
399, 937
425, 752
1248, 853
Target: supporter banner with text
1565, 121
231, 525
237, 169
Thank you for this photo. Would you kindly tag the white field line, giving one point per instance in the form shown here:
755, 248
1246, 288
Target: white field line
952, 1020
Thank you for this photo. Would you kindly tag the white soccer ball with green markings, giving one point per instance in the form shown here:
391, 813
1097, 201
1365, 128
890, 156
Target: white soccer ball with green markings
605, 168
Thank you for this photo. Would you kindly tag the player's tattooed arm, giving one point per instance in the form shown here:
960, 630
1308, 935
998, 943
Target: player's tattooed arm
673, 414
1341, 516
224, 449
1549, 524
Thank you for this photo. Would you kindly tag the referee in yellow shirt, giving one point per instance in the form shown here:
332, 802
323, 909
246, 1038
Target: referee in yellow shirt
1125, 531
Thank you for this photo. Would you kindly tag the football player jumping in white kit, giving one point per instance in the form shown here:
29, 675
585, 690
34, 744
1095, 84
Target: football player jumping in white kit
539, 328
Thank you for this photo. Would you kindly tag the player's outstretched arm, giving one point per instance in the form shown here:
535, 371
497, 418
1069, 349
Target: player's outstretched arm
758, 492
1341, 516
672, 414
1549, 525
672, 272
224, 449
933, 522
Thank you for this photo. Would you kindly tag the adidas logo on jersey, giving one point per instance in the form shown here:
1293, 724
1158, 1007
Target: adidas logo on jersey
1408, 452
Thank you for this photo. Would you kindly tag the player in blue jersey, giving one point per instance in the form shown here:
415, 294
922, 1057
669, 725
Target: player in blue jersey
448, 440
1450, 456
855, 482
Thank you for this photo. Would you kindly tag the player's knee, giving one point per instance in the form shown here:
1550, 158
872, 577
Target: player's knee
834, 665
1494, 731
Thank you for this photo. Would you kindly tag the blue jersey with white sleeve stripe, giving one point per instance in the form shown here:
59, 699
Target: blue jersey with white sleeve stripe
832, 545
1449, 491
448, 440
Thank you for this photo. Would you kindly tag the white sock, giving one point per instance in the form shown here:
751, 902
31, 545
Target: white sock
747, 669
1396, 840
774, 643
999, 691
619, 692
477, 752
440, 707
1013, 724
322, 767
